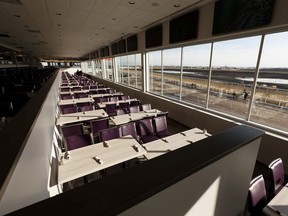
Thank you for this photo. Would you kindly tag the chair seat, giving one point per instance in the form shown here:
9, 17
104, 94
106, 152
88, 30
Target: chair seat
149, 138
164, 134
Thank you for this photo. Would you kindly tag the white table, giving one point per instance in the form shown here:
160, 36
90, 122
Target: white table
83, 160
75, 101
80, 116
175, 141
102, 105
279, 204
122, 119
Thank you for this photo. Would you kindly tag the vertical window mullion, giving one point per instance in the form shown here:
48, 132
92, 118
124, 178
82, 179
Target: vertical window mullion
255, 78
210, 75
181, 74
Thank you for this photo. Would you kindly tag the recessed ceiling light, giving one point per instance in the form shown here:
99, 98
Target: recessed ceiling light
131, 2
176, 5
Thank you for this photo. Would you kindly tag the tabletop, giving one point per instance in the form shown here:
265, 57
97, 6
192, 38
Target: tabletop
80, 116
103, 104
172, 142
95, 157
279, 204
122, 119
75, 100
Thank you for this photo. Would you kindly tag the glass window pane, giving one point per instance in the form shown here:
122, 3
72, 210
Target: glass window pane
109, 68
232, 61
122, 69
171, 72
270, 105
195, 73
154, 59
135, 75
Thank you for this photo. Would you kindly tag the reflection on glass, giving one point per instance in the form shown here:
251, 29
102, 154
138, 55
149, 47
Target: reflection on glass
122, 69
270, 105
154, 59
171, 72
108, 68
98, 68
195, 73
134, 70
231, 62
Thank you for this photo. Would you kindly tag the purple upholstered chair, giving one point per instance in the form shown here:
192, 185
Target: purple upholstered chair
103, 99
124, 105
129, 129
134, 109
113, 98
134, 103
145, 107
78, 141
86, 108
257, 196
69, 109
146, 130
121, 112
66, 89
65, 96
111, 109
73, 129
96, 126
161, 128
109, 133
125, 97
276, 173
111, 91
80, 95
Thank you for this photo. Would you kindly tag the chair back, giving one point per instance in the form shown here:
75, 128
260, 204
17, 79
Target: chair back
114, 98
86, 108
66, 96
124, 105
103, 99
160, 124
66, 89
111, 109
146, 127
145, 107
129, 129
99, 124
102, 91
73, 129
109, 133
80, 95
257, 197
134, 109
111, 91
67, 110
121, 112
78, 141
125, 97
134, 103
276, 172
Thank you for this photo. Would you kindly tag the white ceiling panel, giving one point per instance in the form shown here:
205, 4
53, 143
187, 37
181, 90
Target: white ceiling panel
73, 28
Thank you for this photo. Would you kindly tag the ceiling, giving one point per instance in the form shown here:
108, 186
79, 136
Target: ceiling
70, 29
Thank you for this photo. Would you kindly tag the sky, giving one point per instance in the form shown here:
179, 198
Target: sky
235, 53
